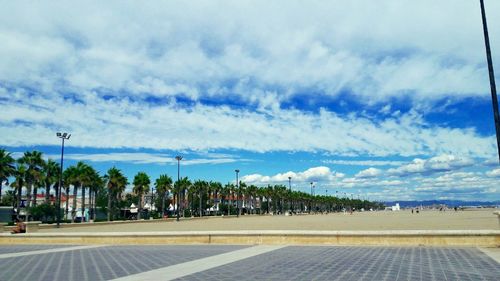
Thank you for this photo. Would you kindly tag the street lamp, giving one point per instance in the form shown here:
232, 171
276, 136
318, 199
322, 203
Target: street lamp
494, 99
311, 188
152, 199
178, 158
290, 194
237, 193
63, 137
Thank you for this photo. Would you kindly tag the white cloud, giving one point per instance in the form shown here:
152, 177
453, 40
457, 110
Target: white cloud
364, 162
143, 158
444, 162
116, 123
369, 173
494, 173
492, 162
315, 174
192, 49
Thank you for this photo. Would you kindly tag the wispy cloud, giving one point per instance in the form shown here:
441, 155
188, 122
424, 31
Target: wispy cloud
144, 158
364, 162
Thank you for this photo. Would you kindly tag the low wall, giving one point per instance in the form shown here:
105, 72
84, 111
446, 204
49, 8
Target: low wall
484, 238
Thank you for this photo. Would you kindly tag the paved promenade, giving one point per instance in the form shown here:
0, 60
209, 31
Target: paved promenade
233, 262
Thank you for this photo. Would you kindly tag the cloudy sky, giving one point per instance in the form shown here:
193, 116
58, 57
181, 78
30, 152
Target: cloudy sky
383, 99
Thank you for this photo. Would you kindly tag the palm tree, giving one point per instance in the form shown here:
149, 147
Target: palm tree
180, 187
69, 178
34, 162
96, 185
141, 186
87, 176
163, 184
252, 193
50, 174
19, 175
7, 168
115, 183
200, 187
216, 188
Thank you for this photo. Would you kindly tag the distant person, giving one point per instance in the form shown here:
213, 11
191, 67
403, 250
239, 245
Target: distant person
418, 210
20, 227
455, 208
412, 210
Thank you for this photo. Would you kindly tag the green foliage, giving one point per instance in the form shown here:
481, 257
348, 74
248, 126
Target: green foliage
43, 212
8, 198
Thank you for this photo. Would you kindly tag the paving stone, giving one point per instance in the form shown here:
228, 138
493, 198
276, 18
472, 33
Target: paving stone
103, 263
360, 263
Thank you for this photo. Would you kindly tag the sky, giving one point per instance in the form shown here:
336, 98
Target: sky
386, 100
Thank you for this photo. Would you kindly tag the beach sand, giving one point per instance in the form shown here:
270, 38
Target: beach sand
473, 219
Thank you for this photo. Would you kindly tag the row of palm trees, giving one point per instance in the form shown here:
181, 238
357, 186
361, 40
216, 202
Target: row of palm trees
31, 173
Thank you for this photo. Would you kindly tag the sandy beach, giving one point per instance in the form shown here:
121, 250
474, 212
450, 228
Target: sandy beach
384, 220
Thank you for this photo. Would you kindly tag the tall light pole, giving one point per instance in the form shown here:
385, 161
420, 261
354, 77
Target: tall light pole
178, 158
494, 99
311, 188
63, 137
290, 194
237, 193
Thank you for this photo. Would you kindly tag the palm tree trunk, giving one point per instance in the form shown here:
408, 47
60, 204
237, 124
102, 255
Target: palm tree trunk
163, 205
19, 191
94, 204
67, 204
140, 207
28, 195
83, 203
47, 193
90, 204
201, 214
35, 194
109, 205
73, 210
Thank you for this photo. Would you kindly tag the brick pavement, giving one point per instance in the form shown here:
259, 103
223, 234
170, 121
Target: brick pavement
288, 263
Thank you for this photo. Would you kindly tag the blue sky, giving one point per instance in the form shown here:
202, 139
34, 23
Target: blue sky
386, 99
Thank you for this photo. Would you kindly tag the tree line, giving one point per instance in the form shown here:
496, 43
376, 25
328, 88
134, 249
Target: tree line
31, 173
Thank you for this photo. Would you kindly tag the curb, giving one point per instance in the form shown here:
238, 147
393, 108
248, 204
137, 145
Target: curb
483, 238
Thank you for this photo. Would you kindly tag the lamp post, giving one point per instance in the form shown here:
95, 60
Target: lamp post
311, 188
494, 99
152, 200
290, 193
237, 193
178, 158
63, 137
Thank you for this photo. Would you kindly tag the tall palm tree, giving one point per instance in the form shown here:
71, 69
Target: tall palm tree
252, 193
141, 186
34, 163
200, 188
115, 183
163, 184
87, 176
97, 184
20, 176
69, 179
7, 168
50, 174
216, 188
181, 186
